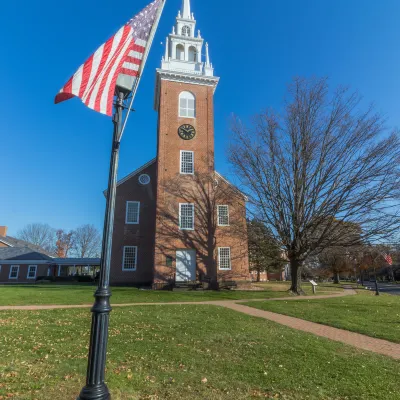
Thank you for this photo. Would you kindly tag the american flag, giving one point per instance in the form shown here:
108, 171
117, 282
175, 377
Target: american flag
95, 80
388, 258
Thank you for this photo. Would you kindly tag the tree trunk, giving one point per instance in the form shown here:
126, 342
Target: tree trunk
336, 278
258, 275
295, 268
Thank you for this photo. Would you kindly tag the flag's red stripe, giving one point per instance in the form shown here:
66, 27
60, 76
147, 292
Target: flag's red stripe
87, 69
106, 52
139, 49
114, 81
133, 60
63, 97
128, 72
65, 90
126, 32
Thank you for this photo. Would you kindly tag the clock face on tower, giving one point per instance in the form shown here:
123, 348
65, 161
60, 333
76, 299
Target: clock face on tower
187, 132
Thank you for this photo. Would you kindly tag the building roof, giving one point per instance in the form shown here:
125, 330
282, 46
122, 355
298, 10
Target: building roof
136, 172
77, 261
13, 242
22, 254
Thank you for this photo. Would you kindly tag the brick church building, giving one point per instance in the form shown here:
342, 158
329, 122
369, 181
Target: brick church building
176, 218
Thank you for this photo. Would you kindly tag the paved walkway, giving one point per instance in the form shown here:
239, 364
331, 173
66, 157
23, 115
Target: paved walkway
363, 342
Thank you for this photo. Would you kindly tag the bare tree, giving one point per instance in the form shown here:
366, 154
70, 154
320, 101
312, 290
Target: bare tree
87, 241
320, 164
41, 235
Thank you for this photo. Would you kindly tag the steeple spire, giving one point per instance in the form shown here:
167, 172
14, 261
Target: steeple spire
186, 9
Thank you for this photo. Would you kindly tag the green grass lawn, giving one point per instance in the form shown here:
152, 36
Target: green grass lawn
18, 295
62, 294
376, 316
185, 352
322, 288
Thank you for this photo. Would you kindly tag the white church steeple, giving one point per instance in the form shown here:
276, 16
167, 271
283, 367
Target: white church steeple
186, 9
184, 49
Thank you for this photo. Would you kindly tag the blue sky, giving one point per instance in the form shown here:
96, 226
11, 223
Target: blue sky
55, 158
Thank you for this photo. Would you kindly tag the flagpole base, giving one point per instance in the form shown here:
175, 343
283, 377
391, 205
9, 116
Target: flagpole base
96, 392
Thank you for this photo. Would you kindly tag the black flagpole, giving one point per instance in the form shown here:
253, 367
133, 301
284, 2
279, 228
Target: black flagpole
95, 388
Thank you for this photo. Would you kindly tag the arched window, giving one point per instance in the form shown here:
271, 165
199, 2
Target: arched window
186, 31
192, 54
187, 105
180, 52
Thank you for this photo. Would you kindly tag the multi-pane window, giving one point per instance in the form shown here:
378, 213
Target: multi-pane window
32, 271
169, 261
132, 212
187, 105
187, 162
224, 258
186, 216
14, 269
129, 262
223, 215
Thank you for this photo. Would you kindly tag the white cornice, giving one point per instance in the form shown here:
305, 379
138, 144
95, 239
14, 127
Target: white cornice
185, 38
176, 76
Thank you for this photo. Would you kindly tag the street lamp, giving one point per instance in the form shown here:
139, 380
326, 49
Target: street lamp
95, 388
125, 91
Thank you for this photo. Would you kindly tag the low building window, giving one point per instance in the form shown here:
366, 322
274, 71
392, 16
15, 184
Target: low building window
129, 262
132, 212
223, 216
186, 216
32, 271
187, 162
224, 258
14, 270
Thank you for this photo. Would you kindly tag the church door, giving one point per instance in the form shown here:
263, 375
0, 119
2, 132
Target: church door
185, 265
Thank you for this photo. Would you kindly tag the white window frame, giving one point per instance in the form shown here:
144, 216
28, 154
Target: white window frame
180, 216
29, 267
219, 259
123, 258
128, 203
219, 215
183, 95
181, 164
11, 268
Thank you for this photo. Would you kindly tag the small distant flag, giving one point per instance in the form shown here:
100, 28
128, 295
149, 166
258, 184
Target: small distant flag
95, 80
388, 258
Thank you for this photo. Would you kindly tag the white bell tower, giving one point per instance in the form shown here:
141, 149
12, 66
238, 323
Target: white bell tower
184, 46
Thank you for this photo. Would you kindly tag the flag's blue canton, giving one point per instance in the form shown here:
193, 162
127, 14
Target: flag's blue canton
143, 22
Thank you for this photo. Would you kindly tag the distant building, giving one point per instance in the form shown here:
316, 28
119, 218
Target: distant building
24, 262
176, 218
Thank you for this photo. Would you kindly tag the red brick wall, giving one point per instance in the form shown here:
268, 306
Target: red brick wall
23, 273
173, 188
141, 235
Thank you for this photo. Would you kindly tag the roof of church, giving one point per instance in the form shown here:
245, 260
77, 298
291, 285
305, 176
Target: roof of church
136, 172
143, 167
